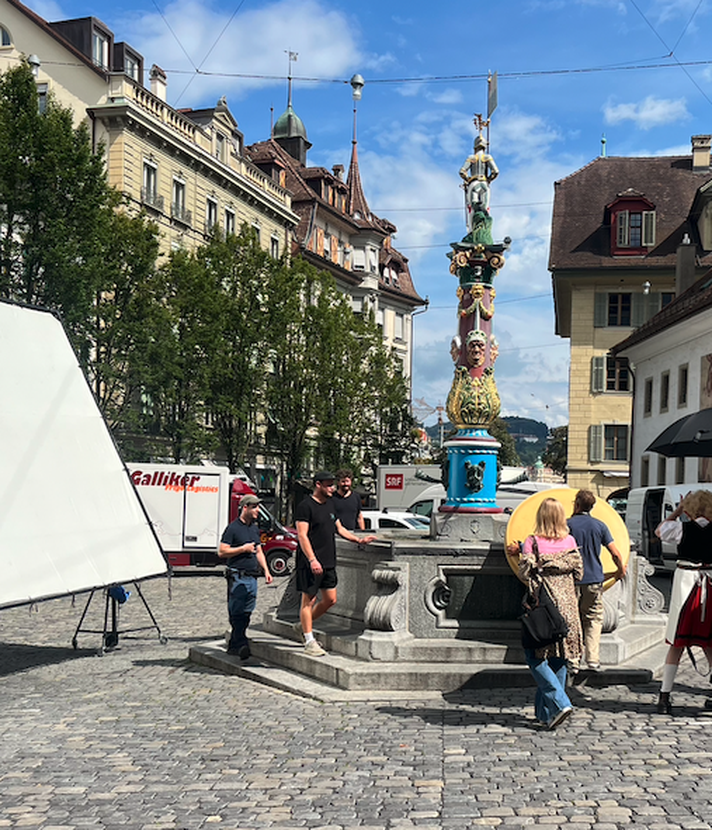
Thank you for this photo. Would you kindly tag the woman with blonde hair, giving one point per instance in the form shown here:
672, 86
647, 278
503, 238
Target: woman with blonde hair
551, 557
689, 620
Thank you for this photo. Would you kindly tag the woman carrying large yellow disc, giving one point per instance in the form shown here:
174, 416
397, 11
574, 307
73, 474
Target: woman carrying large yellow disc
522, 521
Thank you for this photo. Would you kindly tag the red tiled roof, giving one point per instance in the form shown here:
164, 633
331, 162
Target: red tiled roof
580, 236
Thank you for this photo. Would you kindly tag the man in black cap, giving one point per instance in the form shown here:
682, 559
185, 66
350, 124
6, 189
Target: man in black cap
240, 545
316, 556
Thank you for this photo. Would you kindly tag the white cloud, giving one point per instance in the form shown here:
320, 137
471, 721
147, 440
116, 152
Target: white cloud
446, 96
651, 112
254, 43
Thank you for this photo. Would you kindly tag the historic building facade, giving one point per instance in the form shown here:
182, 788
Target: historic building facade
338, 232
621, 229
186, 168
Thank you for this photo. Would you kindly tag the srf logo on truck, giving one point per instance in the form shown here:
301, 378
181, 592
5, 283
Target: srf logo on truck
171, 481
394, 481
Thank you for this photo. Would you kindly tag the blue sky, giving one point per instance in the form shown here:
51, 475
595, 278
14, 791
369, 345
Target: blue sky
638, 71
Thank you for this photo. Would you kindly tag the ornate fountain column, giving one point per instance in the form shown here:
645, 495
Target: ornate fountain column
473, 402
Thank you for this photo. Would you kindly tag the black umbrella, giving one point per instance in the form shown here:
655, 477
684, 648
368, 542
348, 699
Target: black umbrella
690, 436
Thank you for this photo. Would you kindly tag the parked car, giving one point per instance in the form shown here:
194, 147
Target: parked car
378, 520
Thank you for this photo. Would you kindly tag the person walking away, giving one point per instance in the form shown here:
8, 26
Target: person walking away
316, 557
690, 616
347, 504
557, 565
590, 533
240, 545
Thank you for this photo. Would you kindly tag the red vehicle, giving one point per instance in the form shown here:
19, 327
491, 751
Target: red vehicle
190, 506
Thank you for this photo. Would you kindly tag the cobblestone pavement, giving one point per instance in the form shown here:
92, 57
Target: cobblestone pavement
141, 738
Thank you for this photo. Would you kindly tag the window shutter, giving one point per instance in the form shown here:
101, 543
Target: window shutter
598, 377
622, 235
652, 304
648, 228
595, 443
638, 304
600, 310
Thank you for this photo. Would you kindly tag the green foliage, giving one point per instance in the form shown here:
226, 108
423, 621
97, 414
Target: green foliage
556, 449
508, 456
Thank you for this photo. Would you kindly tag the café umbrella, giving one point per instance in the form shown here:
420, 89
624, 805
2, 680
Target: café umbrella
688, 436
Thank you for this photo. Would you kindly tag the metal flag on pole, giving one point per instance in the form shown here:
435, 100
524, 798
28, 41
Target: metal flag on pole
491, 94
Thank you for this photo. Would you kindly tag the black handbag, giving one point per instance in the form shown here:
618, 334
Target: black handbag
542, 622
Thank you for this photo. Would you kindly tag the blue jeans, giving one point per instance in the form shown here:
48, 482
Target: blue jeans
550, 676
241, 600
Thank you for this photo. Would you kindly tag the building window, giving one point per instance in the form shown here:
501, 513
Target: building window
608, 442
619, 309
274, 247
644, 471
149, 191
635, 229
379, 318
664, 391
5, 39
648, 397
211, 214
131, 68
100, 49
256, 229
42, 98
679, 470
178, 208
666, 297
229, 221
610, 374
662, 469
359, 259
220, 153
682, 386
399, 327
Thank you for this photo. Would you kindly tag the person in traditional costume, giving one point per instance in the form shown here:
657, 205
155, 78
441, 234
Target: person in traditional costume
690, 617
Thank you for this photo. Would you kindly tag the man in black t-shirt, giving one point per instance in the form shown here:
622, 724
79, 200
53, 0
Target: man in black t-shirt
240, 545
347, 504
316, 556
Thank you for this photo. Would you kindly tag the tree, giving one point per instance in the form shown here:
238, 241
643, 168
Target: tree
56, 207
508, 456
555, 455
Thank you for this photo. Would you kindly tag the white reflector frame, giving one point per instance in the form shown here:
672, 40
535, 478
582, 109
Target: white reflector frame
70, 519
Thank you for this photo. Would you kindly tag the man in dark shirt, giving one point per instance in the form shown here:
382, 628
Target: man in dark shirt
347, 504
590, 534
316, 556
240, 545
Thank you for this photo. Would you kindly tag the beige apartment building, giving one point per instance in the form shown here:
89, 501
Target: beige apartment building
621, 229
186, 168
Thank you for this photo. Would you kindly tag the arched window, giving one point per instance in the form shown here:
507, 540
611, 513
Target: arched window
5, 39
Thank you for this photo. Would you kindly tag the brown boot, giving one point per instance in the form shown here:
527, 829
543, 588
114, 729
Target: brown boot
664, 704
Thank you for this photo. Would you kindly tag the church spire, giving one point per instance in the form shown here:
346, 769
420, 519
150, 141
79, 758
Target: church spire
357, 205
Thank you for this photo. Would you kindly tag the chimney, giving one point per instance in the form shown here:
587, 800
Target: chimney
159, 83
338, 171
685, 265
701, 153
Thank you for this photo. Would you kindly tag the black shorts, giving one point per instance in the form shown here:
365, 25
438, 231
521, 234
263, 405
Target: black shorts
310, 583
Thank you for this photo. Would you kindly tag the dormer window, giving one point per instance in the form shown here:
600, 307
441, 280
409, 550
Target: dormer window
632, 225
100, 49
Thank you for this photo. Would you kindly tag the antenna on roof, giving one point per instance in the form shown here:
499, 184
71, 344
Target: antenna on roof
603, 146
292, 57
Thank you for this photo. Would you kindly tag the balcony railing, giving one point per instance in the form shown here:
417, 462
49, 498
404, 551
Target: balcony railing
180, 214
151, 199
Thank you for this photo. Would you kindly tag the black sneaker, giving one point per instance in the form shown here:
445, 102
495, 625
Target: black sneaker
664, 706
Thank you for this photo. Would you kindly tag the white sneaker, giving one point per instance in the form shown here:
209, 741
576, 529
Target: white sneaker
313, 649
560, 717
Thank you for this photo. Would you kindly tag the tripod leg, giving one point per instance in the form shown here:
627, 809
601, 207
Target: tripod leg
81, 620
163, 640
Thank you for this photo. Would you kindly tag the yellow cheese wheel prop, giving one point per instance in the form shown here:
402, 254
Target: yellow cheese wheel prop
523, 520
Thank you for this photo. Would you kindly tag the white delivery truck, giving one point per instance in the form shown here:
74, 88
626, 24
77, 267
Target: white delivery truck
190, 506
401, 484
646, 508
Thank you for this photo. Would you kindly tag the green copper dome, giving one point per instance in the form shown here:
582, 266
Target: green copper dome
290, 125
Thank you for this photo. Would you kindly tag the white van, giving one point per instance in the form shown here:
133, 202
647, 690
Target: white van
646, 508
